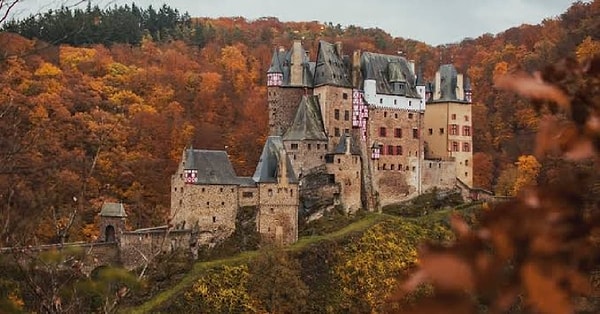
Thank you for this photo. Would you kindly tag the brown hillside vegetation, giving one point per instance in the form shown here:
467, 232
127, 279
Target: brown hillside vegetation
86, 124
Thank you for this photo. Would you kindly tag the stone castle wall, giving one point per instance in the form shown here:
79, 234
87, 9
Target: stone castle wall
283, 103
347, 171
439, 173
306, 155
278, 212
213, 207
396, 174
336, 110
138, 247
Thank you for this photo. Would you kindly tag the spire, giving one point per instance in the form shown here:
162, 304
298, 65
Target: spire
276, 62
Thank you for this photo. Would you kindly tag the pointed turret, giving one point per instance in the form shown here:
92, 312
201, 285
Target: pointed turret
275, 72
269, 168
468, 91
307, 124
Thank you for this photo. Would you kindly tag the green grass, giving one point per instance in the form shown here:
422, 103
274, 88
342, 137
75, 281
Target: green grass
199, 267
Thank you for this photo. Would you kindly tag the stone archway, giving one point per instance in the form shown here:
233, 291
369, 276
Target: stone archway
109, 234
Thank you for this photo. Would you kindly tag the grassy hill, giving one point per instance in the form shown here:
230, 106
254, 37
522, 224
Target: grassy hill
354, 267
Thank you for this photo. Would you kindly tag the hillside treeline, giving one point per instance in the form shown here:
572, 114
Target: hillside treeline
98, 104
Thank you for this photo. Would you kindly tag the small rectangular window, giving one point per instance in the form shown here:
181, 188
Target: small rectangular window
336, 132
466, 147
382, 132
347, 115
453, 116
294, 146
415, 133
455, 146
336, 114
399, 150
466, 130
390, 150
430, 131
398, 132
441, 131
345, 96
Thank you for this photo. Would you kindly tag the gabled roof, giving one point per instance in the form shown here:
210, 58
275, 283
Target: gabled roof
308, 123
342, 146
113, 210
448, 81
449, 84
281, 61
386, 69
331, 68
268, 167
213, 166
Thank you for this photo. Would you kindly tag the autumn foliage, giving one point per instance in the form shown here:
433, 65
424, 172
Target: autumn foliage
537, 251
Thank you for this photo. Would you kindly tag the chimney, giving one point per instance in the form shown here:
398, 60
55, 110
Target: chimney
348, 143
356, 74
283, 179
437, 93
460, 92
411, 64
296, 66
338, 48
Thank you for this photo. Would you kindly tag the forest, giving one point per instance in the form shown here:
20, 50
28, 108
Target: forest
89, 114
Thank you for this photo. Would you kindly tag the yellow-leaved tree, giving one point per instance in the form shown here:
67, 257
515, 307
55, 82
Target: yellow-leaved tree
528, 169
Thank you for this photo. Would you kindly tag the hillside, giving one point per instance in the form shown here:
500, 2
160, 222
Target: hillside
138, 96
356, 267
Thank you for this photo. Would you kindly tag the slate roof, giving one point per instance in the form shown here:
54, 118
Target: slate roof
113, 210
341, 147
281, 61
267, 169
277, 61
386, 69
308, 124
213, 166
331, 68
448, 84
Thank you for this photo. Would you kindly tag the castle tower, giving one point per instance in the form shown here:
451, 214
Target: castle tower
289, 78
278, 194
305, 140
448, 122
112, 222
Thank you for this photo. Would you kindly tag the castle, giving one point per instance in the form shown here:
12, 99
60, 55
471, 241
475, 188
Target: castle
357, 132
363, 131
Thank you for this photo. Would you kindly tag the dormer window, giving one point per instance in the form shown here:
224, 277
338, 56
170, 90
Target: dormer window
398, 88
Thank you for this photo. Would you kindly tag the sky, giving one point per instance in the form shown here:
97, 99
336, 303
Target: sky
432, 21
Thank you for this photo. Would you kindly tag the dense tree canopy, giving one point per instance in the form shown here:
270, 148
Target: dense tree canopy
106, 113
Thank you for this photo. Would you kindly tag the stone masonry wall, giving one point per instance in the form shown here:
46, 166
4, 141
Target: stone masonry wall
136, 247
278, 212
397, 173
336, 109
307, 155
439, 173
212, 206
347, 171
247, 196
283, 103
